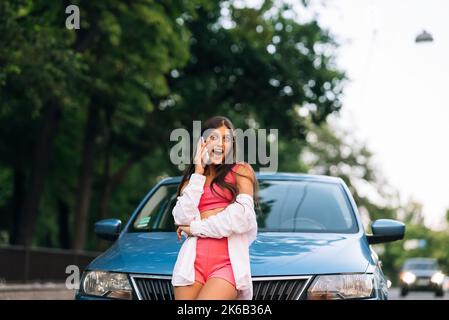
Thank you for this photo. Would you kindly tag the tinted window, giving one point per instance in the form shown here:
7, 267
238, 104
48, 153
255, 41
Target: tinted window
156, 213
288, 206
303, 206
421, 265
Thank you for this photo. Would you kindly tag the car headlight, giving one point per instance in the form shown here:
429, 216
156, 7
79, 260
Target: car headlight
408, 277
342, 286
437, 278
389, 283
107, 284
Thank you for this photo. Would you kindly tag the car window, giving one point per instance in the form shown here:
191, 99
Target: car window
156, 213
285, 206
304, 206
430, 265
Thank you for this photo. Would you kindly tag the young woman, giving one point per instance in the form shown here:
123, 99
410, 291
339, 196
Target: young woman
215, 209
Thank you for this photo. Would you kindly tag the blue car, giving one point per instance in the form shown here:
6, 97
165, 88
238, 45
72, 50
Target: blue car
311, 244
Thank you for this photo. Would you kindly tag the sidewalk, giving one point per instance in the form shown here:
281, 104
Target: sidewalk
36, 291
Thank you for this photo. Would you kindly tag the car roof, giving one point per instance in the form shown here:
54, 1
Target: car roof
279, 176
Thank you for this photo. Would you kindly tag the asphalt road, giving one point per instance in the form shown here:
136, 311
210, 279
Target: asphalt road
393, 294
38, 295
60, 293
37, 291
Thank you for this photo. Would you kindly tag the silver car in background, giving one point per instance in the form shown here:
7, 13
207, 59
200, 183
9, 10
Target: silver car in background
422, 274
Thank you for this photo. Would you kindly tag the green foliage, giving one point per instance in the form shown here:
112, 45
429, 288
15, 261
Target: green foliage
436, 247
331, 151
149, 67
152, 66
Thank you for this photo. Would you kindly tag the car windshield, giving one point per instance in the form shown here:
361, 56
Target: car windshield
285, 206
431, 265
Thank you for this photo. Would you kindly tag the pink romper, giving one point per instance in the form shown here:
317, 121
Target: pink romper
212, 256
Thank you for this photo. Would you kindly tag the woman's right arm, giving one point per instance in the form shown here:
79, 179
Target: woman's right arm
186, 207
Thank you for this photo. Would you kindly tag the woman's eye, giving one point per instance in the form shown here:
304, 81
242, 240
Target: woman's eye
228, 139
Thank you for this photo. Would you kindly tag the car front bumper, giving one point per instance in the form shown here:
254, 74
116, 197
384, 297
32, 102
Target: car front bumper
419, 287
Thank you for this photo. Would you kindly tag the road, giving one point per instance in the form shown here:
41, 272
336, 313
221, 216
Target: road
37, 291
58, 292
393, 294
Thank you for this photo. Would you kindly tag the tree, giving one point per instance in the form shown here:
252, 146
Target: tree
259, 69
103, 99
333, 151
34, 92
105, 67
125, 80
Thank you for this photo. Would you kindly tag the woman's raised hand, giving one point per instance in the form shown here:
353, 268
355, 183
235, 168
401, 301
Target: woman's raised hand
200, 160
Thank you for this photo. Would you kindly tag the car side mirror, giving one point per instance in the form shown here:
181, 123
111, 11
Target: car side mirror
386, 230
108, 229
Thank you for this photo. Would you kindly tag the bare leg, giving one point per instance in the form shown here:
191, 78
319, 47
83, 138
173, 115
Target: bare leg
187, 292
217, 289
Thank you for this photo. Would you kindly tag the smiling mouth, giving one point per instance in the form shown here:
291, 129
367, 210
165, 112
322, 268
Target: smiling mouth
217, 152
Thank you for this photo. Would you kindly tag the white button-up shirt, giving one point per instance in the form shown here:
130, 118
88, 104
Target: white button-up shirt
237, 222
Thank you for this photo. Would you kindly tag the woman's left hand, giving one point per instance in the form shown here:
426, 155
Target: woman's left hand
180, 229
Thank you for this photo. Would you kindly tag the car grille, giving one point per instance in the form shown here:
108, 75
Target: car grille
423, 281
279, 288
153, 288
149, 287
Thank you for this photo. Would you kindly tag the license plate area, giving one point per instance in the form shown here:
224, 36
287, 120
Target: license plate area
423, 282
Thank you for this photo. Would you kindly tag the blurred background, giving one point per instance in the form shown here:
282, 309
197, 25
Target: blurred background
356, 89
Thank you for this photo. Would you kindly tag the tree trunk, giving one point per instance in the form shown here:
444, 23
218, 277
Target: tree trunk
108, 138
110, 184
16, 204
63, 224
40, 160
85, 179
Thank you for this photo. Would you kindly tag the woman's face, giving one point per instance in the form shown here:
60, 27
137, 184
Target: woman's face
219, 144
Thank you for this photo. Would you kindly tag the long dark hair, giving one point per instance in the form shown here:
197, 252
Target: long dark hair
221, 169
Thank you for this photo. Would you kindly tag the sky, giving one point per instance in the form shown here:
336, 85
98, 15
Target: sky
397, 98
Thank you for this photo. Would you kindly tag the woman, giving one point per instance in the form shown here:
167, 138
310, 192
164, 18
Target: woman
215, 208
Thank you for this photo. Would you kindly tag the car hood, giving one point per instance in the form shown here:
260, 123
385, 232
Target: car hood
272, 254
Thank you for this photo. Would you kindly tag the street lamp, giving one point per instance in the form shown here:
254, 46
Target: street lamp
424, 36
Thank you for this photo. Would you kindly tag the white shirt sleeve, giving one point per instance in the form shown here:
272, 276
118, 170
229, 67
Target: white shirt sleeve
186, 207
238, 217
